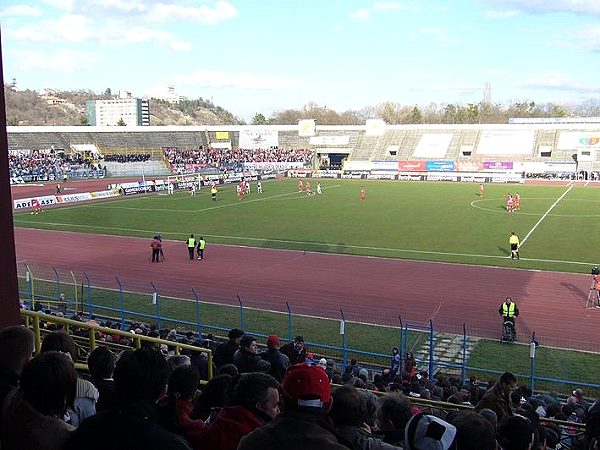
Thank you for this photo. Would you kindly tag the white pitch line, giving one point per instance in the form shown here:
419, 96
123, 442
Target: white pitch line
210, 208
545, 215
306, 243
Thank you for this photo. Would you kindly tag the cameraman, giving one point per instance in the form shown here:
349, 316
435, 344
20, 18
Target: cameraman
596, 276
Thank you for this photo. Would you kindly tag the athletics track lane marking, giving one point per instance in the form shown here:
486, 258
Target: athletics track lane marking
545, 215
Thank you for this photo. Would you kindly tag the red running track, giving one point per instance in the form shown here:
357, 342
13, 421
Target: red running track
375, 290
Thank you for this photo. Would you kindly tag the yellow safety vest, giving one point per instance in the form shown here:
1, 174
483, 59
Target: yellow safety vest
508, 311
191, 242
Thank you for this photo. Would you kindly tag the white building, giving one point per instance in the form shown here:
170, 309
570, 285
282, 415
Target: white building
110, 113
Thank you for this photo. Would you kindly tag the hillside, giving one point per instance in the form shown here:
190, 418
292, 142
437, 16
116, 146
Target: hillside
54, 107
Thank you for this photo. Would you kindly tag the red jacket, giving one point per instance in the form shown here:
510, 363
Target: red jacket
230, 426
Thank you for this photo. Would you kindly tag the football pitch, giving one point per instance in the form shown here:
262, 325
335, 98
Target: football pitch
450, 222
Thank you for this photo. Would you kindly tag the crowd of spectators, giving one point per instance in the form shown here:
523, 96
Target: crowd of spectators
43, 166
230, 159
129, 158
278, 397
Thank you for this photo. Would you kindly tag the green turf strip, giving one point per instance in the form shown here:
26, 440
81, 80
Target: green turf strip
425, 221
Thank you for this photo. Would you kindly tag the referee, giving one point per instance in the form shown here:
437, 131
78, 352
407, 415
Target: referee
513, 241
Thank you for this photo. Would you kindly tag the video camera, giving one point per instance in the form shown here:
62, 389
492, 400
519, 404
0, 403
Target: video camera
595, 270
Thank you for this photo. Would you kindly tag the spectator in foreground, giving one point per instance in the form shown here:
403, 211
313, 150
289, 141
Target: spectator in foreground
176, 407
395, 410
101, 363
225, 351
498, 397
306, 399
140, 379
515, 433
247, 358
16, 348
33, 413
212, 398
279, 362
349, 416
87, 395
425, 432
254, 402
295, 351
473, 431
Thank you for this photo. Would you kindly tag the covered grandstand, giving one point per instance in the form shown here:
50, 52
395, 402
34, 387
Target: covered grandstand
471, 148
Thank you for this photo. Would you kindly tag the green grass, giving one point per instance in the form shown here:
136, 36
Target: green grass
426, 221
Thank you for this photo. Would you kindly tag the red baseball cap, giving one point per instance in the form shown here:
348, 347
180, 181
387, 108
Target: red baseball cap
307, 385
273, 341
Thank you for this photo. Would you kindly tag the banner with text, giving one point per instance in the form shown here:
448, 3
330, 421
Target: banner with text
257, 139
411, 166
497, 165
440, 166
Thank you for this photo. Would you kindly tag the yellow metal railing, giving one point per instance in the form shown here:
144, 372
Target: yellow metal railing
34, 319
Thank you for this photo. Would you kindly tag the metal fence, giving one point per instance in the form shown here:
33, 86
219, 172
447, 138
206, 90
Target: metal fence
343, 337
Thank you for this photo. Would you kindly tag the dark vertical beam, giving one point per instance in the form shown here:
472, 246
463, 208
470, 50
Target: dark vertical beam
9, 290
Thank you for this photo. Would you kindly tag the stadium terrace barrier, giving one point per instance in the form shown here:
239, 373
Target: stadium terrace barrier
337, 337
37, 320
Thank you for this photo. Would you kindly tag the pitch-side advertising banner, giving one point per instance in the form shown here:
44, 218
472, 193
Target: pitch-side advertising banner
384, 165
26, 202
411, 166
440, 166
497, 165
257, 139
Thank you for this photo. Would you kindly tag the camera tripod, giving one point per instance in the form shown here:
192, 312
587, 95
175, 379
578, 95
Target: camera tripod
593, 300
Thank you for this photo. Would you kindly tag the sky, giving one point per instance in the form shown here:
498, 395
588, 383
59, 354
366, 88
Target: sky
263, 56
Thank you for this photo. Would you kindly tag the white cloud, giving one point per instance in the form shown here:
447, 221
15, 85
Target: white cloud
222, 11
383, 6
210, 78
61, 61
20, 10
386, 6
72, 28
67, 28
501, 14
179, 46
360, 14
548, 6
121, 5
64, 5
437, 34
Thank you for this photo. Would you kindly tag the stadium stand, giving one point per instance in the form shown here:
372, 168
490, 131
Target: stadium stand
385, 400
469, 146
